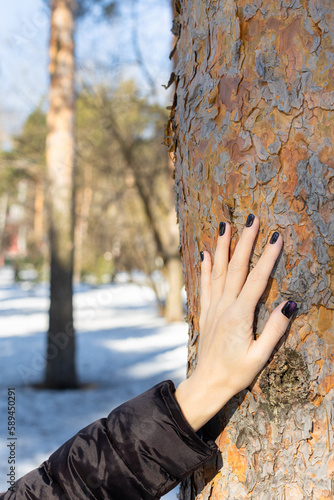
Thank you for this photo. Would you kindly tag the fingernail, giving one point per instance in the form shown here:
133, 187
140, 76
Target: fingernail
222, 227
274, 238
202, 256
250, 220
289, 308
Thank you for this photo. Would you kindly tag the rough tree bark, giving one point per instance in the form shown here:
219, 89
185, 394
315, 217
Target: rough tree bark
60, 369
252, 130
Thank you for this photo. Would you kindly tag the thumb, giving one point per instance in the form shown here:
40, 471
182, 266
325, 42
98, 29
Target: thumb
274, 329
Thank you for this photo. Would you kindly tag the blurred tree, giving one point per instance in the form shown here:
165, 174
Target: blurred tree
3, 213
29, 150
173, 307
110, 213
60, 159
60, 147
254, 132
25, 163
128, 145
174, 304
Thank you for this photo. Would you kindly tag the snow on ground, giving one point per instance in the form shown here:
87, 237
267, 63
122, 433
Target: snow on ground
123, 349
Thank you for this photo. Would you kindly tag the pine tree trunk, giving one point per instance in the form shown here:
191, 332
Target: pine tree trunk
3, 215
60, 369
253, 128
84, 204
39, 214
174, 303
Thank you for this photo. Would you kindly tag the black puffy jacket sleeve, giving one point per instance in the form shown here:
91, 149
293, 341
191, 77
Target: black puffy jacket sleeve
142, 450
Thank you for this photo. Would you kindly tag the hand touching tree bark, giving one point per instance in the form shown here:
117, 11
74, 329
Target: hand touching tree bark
229, 358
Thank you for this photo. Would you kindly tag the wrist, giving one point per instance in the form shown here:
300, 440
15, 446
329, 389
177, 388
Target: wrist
199, 402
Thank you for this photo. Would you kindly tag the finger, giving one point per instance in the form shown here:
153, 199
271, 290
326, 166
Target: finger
205, 283
274, 329
219, 270
239, 263
257, 279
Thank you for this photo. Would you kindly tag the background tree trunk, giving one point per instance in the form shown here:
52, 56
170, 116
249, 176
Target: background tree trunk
174, 303
3, 215
60, 369
166, 235
84, 203
253, 132
39, 213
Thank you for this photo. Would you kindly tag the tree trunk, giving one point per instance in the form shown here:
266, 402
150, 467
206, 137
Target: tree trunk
167, 247
3, 215
174, 304
82, 221
60, 369
253, 132
175, 279
39, 213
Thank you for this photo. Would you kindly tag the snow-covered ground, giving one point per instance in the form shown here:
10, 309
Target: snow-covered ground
123, 348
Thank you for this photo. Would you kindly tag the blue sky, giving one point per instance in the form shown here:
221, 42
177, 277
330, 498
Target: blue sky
24, 33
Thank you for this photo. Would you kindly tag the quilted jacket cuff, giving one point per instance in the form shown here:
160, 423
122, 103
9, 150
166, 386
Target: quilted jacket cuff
162, 448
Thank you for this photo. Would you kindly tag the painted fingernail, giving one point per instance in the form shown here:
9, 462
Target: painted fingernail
289, 308
250, 220
202, 256
222, 227
274, 238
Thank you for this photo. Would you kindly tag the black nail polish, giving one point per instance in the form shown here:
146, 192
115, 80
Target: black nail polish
274, 238
289, 308
222, 227
250, 220
202, 256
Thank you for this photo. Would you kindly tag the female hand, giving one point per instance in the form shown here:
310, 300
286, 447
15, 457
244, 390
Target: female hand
229, 358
